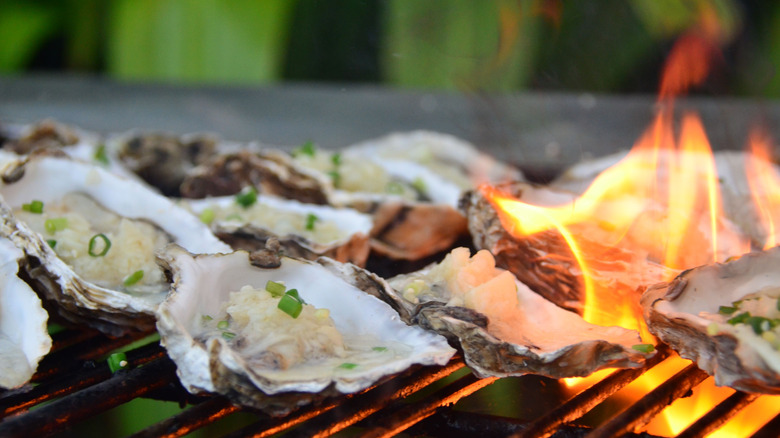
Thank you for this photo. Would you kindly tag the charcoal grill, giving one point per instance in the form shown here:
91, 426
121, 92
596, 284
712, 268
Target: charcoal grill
74, 385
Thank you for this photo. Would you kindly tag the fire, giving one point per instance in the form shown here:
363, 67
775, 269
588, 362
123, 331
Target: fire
660, 207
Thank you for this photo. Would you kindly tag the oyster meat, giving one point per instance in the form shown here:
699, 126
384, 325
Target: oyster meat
248, 220
24, 338
90, 238
726, 318
254, 326
505, 328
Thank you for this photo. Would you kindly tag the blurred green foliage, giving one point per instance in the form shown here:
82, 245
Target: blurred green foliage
495, 45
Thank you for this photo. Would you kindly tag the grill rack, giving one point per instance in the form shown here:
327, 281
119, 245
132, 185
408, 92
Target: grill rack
72, 385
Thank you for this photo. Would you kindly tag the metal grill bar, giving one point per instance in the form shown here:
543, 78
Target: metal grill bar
718, 415
192, 419
769, 430
586, 400
407, 416
641, 412
122, 387
354, 408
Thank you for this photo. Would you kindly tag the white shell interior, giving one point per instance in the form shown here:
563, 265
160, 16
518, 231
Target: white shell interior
203, 283
24, 338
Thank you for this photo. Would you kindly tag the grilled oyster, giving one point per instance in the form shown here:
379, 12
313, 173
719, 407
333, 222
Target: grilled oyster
726, 318
24, 339
248, 220
311, 332
90, 238
505, 328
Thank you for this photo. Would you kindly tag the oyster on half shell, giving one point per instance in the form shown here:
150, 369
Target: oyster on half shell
225, 326
308, 231
24, 339
505, 328
726, 318
90, 239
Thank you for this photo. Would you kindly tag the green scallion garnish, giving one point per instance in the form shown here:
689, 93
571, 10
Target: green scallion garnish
275, 289
294, 293
207, 216
307, 148
310, 220
348, 365
758, 323
34, 206
228, 335
419, 185
290, 305
644, 348
741, 318
223, 324
234, 217
336, 159
94, 246
335, 176
247, 197
55, 224
206, 318
101, 156
133, 278
52, 243
379, 349
726, 310
117, 361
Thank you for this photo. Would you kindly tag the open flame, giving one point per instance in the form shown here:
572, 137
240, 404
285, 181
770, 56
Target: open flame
661, 205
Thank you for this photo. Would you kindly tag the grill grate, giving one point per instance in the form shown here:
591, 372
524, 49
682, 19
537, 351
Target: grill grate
73, 383
76, 385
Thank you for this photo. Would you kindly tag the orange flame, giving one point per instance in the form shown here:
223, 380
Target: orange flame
660, 207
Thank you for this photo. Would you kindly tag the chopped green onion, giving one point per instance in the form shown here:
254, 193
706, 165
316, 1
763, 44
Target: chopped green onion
117, 361
247, 197
419, 185
310, 220
93, 244
207, 216
234, 217
275, 289
348, 365
726, 310
335, 176
52, 243
133, 278
294, 293
223, 324
380, 349
644, 348
759, 324
206, 318
228, 335
34, 206
395, 188
290, 305
742, 317
101, 156
55, 224
336, 159
307, 148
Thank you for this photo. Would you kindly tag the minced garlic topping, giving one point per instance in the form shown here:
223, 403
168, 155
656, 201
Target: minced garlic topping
132, 243
252, 323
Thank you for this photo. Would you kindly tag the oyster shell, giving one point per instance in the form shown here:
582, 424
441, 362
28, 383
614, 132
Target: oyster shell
304, 230
342, 341
505, 328
701, 315
24, 338
127, 222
